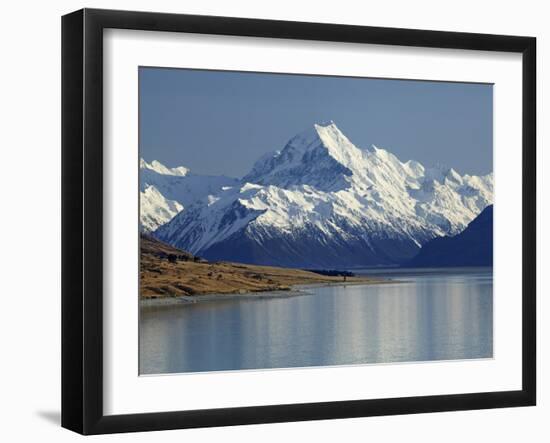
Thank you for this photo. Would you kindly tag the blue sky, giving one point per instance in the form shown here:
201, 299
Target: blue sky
217, 122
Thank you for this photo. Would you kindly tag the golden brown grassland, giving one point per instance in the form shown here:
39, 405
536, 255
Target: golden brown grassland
169, 272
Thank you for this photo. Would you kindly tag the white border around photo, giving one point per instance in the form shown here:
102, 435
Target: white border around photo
126, 392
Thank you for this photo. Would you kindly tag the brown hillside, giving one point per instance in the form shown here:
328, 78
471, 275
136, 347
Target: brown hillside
166, 271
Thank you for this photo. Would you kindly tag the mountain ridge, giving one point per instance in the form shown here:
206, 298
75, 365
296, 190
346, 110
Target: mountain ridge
323, 202
164, 191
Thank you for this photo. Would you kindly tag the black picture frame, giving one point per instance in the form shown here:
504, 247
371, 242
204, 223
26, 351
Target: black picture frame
82, 218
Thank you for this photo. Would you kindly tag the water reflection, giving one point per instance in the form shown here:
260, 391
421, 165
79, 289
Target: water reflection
426, 315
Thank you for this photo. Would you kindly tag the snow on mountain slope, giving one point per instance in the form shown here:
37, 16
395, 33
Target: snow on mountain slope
155, 210
164, 192
159, 168
322, 201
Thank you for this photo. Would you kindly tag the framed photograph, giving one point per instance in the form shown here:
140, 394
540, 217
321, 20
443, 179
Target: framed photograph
269, 221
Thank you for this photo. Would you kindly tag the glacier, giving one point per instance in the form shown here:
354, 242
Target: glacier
320, 202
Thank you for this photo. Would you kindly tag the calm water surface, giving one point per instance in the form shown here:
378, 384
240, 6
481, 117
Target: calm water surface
428, 314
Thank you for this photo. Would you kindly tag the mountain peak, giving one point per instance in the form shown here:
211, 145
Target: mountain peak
329, 137
322, 201
159, 168
311, 136
320, 156
326, 124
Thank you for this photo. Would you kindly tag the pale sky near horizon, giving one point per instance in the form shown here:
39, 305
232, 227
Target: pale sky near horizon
219, 122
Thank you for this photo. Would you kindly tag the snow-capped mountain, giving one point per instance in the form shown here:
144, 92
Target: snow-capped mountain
323, 202
159, 168
164, 192
155, 209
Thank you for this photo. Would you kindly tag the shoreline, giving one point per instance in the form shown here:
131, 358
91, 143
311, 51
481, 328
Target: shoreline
294, 291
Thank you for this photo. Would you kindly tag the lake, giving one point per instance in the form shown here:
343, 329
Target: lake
421, 315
